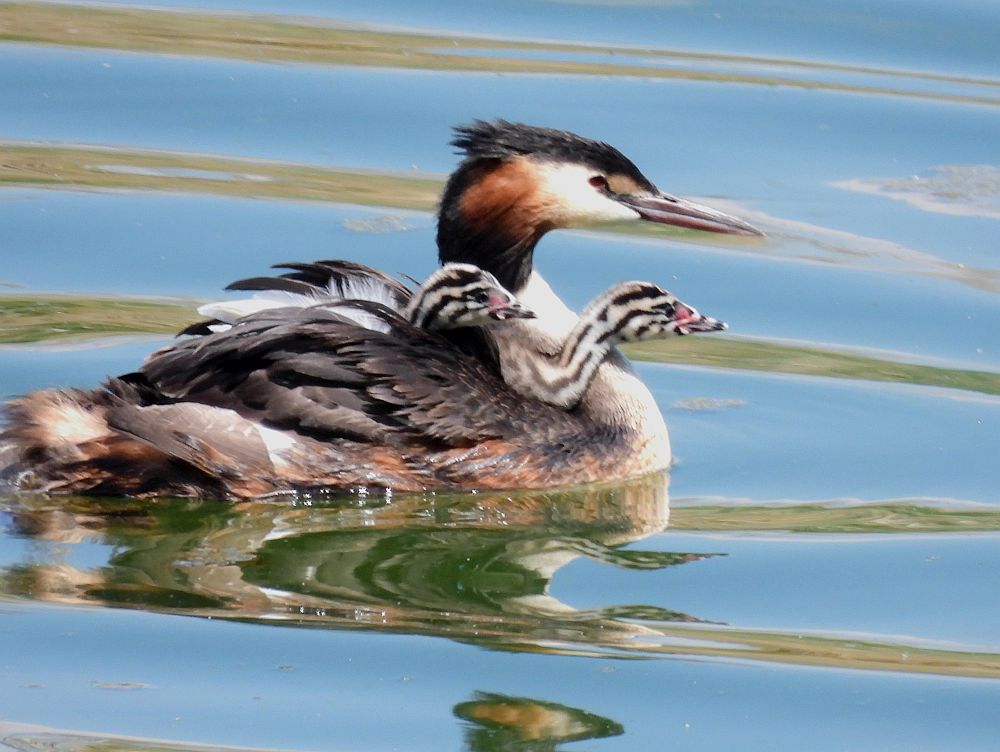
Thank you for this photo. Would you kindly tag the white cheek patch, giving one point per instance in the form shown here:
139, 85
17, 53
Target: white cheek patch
573, 200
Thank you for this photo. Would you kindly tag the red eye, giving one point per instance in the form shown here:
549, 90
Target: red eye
599, 182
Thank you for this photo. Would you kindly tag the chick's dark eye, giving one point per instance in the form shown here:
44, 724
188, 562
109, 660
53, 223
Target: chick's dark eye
481, 296
600, 182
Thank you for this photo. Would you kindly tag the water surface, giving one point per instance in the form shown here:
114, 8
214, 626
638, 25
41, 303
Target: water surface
821, 564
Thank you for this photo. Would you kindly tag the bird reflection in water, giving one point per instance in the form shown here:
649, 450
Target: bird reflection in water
499, 722
471, 567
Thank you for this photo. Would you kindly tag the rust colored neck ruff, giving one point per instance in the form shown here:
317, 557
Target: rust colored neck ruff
492, 216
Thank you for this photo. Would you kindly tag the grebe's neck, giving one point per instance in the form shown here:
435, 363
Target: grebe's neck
554, 318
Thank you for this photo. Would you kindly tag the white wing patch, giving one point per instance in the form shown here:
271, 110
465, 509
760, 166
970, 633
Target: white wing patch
356, 288
230, 311
362, 288
359, 317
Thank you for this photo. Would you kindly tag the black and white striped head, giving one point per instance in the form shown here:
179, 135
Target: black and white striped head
458, 295
635, 311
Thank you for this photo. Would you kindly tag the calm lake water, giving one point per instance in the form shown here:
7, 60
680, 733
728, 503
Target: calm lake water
821, 570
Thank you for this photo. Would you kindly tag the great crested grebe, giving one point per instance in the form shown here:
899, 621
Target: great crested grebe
305, 399
516, 183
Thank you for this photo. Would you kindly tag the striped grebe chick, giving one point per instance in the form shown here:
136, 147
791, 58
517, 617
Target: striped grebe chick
626, 312
461, 295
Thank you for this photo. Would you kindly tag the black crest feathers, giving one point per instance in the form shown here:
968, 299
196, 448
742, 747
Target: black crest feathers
500, 139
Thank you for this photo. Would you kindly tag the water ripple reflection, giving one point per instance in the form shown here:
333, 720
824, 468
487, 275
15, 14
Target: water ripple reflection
472, 568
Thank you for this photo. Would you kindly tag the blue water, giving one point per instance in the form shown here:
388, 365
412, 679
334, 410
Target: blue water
322, 690
604, 617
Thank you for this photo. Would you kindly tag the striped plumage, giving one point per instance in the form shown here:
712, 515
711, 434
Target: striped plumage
462, 295
627, 312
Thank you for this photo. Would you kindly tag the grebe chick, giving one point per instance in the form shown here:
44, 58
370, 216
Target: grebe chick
626, 312
461, 295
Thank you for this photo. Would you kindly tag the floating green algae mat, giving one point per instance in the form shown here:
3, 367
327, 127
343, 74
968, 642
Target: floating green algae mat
26, 319
273, 39
886, 517
29, 165
758, 355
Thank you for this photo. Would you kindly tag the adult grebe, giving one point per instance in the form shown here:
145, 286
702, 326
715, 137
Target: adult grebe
516, 183
255, 410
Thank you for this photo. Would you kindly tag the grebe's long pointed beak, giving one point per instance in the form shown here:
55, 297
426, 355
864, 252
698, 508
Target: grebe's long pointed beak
670, 210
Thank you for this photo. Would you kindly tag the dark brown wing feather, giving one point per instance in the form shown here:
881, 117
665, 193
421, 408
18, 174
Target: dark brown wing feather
339, 274
327, 278
332, 278
323, 280
312, 372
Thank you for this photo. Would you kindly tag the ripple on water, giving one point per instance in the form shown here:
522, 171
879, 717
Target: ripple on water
827, 569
